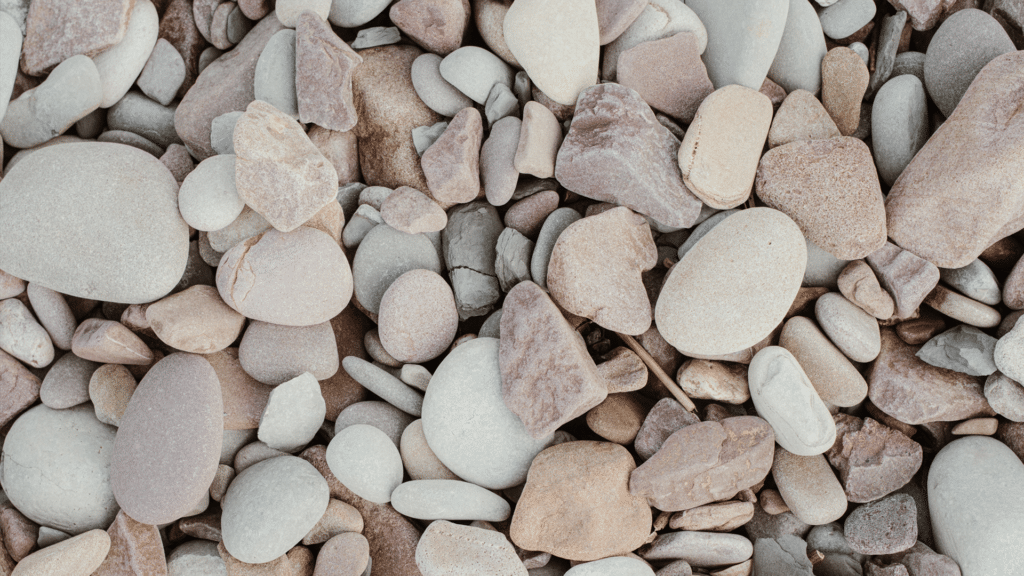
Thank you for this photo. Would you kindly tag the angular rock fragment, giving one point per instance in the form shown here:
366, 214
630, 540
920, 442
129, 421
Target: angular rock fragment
872, 459
907, 277
963, 349
324, 66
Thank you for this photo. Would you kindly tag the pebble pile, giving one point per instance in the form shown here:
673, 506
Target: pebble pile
511, 287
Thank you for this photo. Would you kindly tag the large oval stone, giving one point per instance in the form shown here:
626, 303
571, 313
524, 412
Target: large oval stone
977, 506
95, 220
56, 468
734, 286
168, 445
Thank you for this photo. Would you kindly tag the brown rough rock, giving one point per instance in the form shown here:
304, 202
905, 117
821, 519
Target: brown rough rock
977, 153
711, 380
622, 370
907, 277
860, 285
341, 390
576, 503
411, 211
663, 420
801, 117
346, 554
668, 74
844, 80
452, 163
547, 375
388, 109
872, 459
76, 556
56, 30
616, 151
135, 548
19, 388
324, 65
244, 398
110, 389
339, 517
340, 149
279, 173
906, 388
436, 25
109, 342
196, 320
595, 270
226, 85
830, 188
178, 26
19, 533
391, 536
706, 462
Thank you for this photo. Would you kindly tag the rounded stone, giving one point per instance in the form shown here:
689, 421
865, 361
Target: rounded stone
274, 77
899, 124
785, 397
208, 199
809, 487
270, 506
56, 468
418, 319
1006, 397
850, 328
273, 354
420, 461
435, 91
196, 558
169, 441
67, 382
467, 424
734, 286
473, 71
797, 63
449, 500
836, 380
195, 320
735, 55
383, 256
129, 243
382, 415
366, 461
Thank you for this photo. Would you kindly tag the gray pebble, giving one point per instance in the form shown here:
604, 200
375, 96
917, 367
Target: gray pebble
359, 225
899, 122
976, 280
374, 196
845, 17
383, 256
963, 349
909, 63
554, 225
424, 136
702, 229
376, 36
383, 384
348, 197
700, 549
861, 51
473, 71
237, 26
512, 264
66, 383
222, 132
163, 74
131, 139
449, 500
382, 415
147, 118
274, 80
888, 44
797, 63
415, 375
522, 88
501, 102
92, 124
491, 328
435, 91
469, 242
207, 56
71, 91
823, 269
784, 556
1006, 396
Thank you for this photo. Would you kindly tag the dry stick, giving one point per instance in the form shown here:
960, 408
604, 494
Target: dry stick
654, 367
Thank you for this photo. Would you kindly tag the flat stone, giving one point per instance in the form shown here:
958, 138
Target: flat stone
208, 198
553, 227
449, 500
107, 189
383, 384
270, 506
710, 380
706, 462
324, 66
809, 487
924, 14
720, 517
899, 125
561, 513
346, 554
859, 285
731, 126
844, 80
244, 398
80, 555
700, 549
658, 19
922, 560
134, 548
547, 375
962, 349
596, 253
801, 117
434, 90
418, 319
782, 556
527, 216
411, 211
557, 43
19, 534
1007, 354
905, 387
540, 135
797, 63
616, 151
844, 18
835, 379
420, 461
757, 253
794, 176
70, 93
615, 16
623, 370
163, 73
353, 14
110, 389
22, 336
298, 278
120, 65
663, 420
733, 56
338, 519
55, 32
962, 308
618, 418
886, 526
384, 255
66, 384
457, 550
907, 277
364, 459
452, 163
1006, 397
272, 354
616, 565
293, 414
785, 397
676, 90
976, 281
107, 341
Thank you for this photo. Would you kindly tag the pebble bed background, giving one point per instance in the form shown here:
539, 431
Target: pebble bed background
441, 288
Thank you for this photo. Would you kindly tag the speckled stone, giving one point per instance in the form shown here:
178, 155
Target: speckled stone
418, 319
872, 459
456, 550
668, 74
809, 487
844, 80
801, 117
452, 163
886, 526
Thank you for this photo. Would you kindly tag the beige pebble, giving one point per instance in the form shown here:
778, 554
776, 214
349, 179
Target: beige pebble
771, 502
418, 319
19, 534
76, 556
976, 426
411, 211
844, 80
618, 418
376, 350
10, 286
667, 73
109, 342
347, 554
54, 314
527, 215
710, 380
420, 461
22, 336
110, 389
851, 329
962, 308
836, 379
623, 370
539, 137
341, 150
719, 517
244, 398
195, 320
339, 517
221, 481
860, 285
801, 117
809, 487
452, 163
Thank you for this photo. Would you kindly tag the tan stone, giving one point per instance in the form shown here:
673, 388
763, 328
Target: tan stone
976, 427
710, 380
196, 320
595, 270
418, 319
723, 517
420, 461
19, 534
835, 378
872, 459
341, 150
436, 25
540, 134
244, 398
456, 550
664, 419
19, 388
221, 481
527, 216
280, 566
622, 370
77, 556
452, 163
346, 554
962, 308
341, 390
844, 80
56, 31
771, 502
801, 117
860, 285
109, 342
303, 561
851, 329
110, 389
135, 548
614, 16
489, 16
412, 212
618, 418
576, 503
279, 173
706, 462
339, 517
324, 66
809, 487
920, 330
907, 277
668, 74
330, 220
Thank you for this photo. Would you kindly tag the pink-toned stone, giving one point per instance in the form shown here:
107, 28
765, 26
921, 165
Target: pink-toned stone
243, 397
706, 462
340, 149
872, 459
924, 14
844, 80
19, 388
411, 211
539, 137
527, 215
195, 320
452, 163
178, 26
497, 160
56, 30
618, 418
78, 555
547, 376
860, 285
418, 319
595, 270
886, 526
323, 75
109, 342
346, 554
110, 389
338, 519
19, 533
664, 419
280, 566
622, 370
668, 74
341, 390
614, 16
801, 117
907, 277
436, 25
135, 548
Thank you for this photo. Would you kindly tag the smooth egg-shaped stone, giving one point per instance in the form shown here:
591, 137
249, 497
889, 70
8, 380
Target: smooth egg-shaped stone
94, 220
56, 468
734, 286
976, 500
366, 461
168, 444
270, 506
467, 424
440, 499
785, 397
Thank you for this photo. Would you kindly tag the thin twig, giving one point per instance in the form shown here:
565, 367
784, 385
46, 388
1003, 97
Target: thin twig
654, 367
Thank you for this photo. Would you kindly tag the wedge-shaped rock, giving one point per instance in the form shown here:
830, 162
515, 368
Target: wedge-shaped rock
323, 69
872, 459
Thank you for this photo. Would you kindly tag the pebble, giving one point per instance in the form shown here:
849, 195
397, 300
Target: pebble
498, 173
809, 487
79, 30
554, 225
449, 500
107, 189
924, 216
195, 320
382, 415
423, 137
80, 555
557, 42
910, 62
1007, 354
411, 211
972, 511
615, 16
512, 264
383, 384
289, 12
1006, 397
797, 63
527, 216
298, 278
844, 18
844, 80
665, 418
355, 13
979, 426
451, 164
906, 388
836, 380
473, 71
65, 385
888, 45
208, 199
270, 506
734, 56
960, 48
801, 117
720, 517
907, 277
785, 397
675, 90
130, 139
886, 526
133, 546
420, 461
22, 336
110, 389
765, 525
323, 75
222, 131
20, 534
659, 19
293, 414
71, 444
850, 328
976, 281
899, 122
962, 308
376, 36
120, 65
576, 503
10, 53
364, 459
448, 549
614, 566
710, 380
275, 75
706, 462
540, 135
782, 556
434, 90
766, 262
963, 349
618, 418
157, 483
163, 73
338, 519
110, 342
346, 554
273, 354
383, 256
859, 285
700, 549
436, 25
418, 319
68, 94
